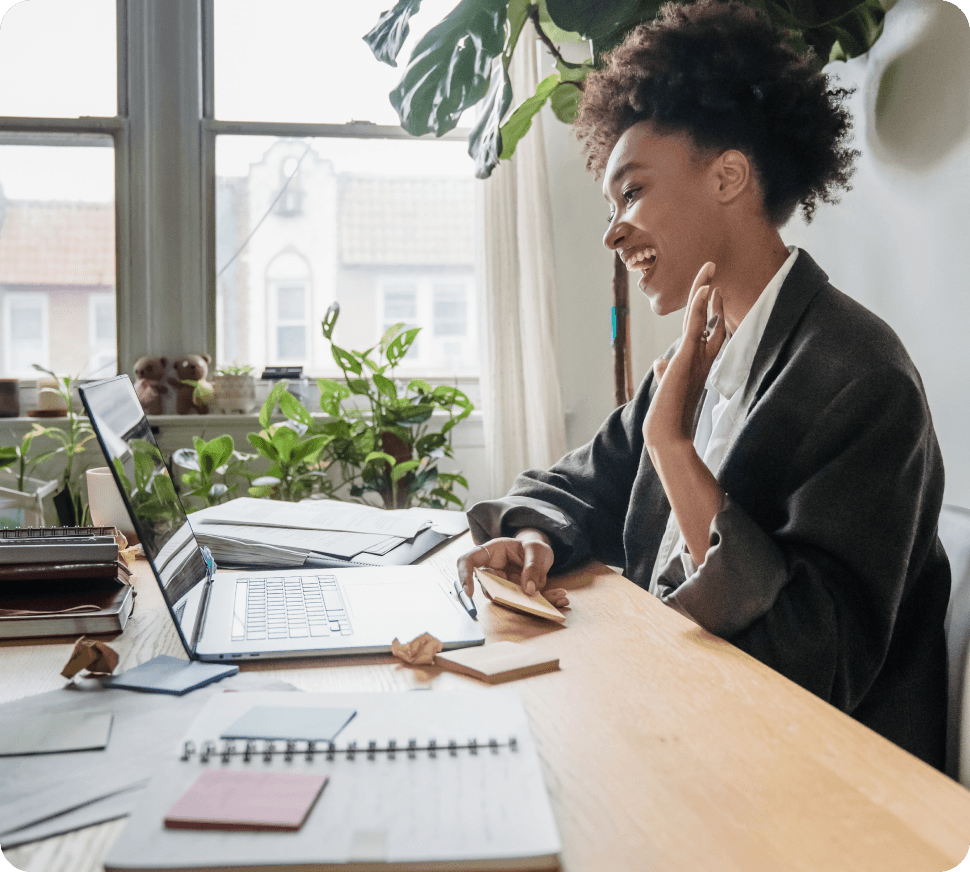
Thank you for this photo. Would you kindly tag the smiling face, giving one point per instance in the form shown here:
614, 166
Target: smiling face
665, 220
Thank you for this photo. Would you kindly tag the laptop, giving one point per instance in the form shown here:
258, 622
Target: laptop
233, 615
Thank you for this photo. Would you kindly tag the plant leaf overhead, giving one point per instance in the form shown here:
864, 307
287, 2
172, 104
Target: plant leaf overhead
391, 30
450, 68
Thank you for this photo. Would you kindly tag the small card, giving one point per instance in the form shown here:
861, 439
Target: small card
290, 723
222, 799
498, 661
164, 674
56, 733
507, 593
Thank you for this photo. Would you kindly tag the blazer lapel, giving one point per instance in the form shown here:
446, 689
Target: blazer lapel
803, 282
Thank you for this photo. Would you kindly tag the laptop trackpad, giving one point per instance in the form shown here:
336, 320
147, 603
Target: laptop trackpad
406, 609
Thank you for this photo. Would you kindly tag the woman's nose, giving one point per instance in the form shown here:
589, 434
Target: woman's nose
614, 235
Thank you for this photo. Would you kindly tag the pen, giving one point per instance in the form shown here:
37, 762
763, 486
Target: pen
465, 599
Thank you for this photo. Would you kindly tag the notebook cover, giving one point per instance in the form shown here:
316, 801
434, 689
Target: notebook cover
506, 593
64, 607
172, 675
497, 662
63, 570
225, 800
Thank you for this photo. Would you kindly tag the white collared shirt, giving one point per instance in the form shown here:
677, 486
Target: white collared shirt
722, 404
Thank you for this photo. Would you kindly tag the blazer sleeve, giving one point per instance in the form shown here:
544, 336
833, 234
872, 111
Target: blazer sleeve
817, 598
581, 502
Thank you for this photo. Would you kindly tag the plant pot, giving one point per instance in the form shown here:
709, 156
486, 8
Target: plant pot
234, 393
23, 508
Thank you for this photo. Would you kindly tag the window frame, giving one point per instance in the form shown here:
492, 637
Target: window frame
57, 131
212, 128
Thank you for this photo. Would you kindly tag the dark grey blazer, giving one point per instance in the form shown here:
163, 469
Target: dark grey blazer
825, 561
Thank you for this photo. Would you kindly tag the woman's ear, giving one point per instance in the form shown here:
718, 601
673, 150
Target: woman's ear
732, 174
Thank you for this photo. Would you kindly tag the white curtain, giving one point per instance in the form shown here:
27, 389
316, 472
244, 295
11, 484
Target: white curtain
522, 399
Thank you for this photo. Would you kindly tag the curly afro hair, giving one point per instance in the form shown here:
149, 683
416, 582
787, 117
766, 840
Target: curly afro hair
725, 76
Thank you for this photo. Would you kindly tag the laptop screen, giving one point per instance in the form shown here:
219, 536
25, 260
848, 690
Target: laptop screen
156, 512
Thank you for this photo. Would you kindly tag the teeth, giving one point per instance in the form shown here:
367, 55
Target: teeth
647, 254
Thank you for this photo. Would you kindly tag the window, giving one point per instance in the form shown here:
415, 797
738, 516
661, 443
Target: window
439, 304
296, 168
102, 347
26, 339
106, 168
59, 132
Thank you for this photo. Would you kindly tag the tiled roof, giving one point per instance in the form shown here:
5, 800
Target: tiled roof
57, 244
386, 220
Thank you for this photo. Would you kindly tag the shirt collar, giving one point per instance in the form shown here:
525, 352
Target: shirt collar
732, 366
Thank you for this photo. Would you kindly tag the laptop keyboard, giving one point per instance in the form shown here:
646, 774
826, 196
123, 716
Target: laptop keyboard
288, 608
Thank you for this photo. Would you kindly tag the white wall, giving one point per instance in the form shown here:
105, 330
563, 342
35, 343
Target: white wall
899, 242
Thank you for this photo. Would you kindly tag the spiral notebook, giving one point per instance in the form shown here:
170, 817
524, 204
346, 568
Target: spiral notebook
417, 781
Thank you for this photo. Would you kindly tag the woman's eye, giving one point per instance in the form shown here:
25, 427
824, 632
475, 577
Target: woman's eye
630, 194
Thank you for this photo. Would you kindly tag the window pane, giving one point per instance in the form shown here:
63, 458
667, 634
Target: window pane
399, 306
57, 243
382, 224
58, 58
292, 60
291, 342
290, 304
450, 312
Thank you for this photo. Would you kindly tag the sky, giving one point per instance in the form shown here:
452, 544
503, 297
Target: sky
57, 58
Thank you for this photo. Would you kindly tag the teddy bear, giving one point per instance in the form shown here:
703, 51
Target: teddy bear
193, 397
149, 372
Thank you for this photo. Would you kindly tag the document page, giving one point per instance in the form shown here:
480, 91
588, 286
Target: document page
315, 515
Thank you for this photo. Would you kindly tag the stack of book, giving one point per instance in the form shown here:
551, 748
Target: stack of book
63, 581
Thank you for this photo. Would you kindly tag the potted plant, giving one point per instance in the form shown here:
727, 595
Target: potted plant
382, 435
234, 389
21, 495
69, 501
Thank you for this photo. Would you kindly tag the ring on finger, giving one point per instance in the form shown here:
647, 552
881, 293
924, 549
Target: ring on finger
486, 552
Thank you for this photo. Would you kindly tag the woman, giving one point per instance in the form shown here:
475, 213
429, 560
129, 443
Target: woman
776, 478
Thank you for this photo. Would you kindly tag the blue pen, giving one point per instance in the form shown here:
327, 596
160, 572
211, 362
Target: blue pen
465, 599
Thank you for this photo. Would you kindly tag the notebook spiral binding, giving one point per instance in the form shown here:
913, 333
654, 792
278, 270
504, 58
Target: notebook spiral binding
310, 749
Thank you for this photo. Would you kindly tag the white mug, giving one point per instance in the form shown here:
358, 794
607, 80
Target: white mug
107, 507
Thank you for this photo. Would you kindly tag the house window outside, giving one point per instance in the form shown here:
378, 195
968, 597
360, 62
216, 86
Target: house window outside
60, 130
26, 335
359, 199
102, 344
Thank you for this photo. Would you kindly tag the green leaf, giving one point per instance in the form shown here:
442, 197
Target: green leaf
266, 413
389, 34
410, 415
283, 439
485, 139
429, 442
379, 455
521, 119
564, 101
447, 496
359, 386
419, 385
591, 20
402, 469
450, 67
330, 320
294, 409
307, 451
552, 30
263, 446
399, 346
345, 360
385, 386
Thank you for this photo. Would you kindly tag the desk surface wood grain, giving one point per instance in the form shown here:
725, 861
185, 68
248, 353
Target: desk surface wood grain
663, 747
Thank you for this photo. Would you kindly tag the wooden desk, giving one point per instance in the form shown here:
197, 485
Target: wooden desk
664, 748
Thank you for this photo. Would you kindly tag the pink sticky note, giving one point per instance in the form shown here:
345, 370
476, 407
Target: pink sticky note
225, 800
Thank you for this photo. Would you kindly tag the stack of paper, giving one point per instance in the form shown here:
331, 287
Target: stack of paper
271, 533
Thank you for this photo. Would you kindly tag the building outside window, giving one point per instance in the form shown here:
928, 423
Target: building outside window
288, 159
297, 168
26, 333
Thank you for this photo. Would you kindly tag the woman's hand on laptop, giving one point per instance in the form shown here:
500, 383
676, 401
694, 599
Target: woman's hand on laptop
525, 560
